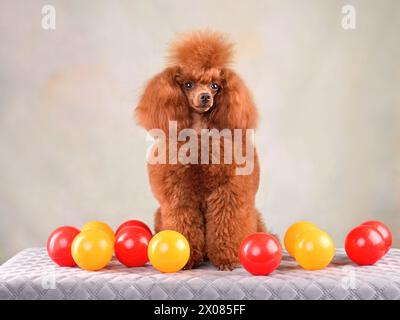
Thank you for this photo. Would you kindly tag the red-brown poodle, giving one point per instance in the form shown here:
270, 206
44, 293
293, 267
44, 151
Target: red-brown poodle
210, 204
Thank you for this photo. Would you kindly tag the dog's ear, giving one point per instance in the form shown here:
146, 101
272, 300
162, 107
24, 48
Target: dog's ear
234, 106
163, 101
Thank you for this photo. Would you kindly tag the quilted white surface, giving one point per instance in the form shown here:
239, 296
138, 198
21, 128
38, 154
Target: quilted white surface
31, 275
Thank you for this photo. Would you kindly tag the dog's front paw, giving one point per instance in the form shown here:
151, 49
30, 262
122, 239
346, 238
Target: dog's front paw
196, 258
192, 263
227, 267
224, 261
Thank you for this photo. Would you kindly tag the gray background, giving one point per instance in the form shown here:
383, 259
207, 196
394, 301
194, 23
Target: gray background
328, 98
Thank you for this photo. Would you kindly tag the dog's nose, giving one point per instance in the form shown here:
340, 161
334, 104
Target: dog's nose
204, 98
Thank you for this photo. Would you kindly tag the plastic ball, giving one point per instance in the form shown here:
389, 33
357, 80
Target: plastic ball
92, 249
292, 234
59, 246
168, 251
314, 249
260, 253
133, 223
383, 230
364, 245
101, 226
131, 244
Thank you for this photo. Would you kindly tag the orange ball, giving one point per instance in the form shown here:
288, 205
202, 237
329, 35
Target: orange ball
314, 249
168, 251
92, 249
293, 233
101, 226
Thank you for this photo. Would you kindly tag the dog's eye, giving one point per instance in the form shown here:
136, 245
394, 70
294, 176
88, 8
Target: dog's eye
188, 85
214, 86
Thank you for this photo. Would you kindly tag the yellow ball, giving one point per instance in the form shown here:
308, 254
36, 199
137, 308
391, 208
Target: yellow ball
92, 249
168, 251
314, 249
293, 233
101, 226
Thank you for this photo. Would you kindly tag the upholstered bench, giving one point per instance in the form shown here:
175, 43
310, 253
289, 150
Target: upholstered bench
32, 275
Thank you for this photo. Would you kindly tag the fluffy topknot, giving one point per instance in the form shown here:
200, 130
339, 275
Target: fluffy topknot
201, 50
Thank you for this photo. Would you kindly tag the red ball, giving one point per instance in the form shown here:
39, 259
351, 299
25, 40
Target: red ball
131, 246
260, 253
59, 246
133, 223
383, 230
364, 245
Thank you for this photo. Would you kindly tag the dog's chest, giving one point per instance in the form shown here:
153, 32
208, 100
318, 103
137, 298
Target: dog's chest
198, 122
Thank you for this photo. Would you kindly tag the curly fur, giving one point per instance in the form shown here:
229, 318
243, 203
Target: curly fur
201, 50
208, 203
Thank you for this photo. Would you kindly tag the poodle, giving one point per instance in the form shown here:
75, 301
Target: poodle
209, 203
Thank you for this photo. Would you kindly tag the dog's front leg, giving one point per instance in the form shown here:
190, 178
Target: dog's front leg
190, 222
175, 188
229, 219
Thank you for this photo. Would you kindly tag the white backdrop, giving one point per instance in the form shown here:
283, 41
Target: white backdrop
329, 102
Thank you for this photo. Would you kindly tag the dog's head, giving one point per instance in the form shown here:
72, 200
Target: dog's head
200, 90
199, 59
198, 79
